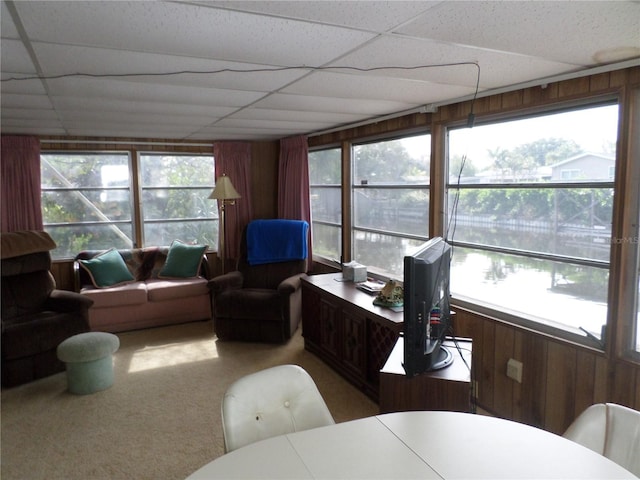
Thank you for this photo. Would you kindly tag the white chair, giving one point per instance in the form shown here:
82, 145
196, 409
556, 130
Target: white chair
271, 402
611, 430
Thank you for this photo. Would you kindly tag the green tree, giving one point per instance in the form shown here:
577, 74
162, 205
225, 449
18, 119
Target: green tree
461, 165
547, 151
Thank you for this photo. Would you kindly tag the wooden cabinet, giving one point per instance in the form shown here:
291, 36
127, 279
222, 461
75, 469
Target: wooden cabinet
445, 389
341, 325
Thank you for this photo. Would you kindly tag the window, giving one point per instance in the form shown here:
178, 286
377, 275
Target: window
175, 203
390, 195
86, 201
326, 204
531, 240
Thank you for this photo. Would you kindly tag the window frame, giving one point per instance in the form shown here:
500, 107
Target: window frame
130, 188
521, 319
355, 187
134, 188
317, 257
142, 188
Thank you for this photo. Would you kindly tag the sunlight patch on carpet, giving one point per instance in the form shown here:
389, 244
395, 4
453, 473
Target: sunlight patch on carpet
152, 357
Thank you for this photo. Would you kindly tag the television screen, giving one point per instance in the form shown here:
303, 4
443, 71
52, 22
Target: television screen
427, 315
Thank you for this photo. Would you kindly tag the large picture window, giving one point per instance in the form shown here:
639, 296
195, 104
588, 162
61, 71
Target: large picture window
86, 201
530, 216
390, 196
326, 208
175, 203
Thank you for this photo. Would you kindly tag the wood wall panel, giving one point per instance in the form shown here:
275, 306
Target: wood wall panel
503, 385
264, 179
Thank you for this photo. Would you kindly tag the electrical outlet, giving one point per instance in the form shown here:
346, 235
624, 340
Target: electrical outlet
514, 370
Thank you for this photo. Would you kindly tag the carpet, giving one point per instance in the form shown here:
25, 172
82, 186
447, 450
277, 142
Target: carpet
161, 418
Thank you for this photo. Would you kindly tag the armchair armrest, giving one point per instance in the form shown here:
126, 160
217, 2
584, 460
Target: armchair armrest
65, 301
231, 280
290, 284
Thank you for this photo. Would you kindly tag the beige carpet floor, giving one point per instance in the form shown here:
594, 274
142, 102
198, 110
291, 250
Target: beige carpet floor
161, 418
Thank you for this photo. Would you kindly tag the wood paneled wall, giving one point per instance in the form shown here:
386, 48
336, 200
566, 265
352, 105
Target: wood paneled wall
560, 379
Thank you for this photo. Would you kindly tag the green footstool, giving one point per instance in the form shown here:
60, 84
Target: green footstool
89, 361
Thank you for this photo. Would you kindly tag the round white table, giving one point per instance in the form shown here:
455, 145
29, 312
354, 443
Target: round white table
410, 445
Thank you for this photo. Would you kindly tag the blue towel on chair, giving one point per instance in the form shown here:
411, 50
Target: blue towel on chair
273, 241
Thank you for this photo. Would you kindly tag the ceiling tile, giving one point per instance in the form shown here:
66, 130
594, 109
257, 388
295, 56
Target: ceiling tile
562, 31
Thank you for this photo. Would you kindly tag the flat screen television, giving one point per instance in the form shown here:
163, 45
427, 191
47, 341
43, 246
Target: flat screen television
427, 315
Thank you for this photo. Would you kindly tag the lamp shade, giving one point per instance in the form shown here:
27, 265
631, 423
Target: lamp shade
224, 189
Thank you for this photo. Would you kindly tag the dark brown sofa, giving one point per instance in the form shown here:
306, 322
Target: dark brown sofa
36, 316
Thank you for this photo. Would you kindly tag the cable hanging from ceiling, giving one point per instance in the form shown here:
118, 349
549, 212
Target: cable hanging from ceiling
470, 118
237, 70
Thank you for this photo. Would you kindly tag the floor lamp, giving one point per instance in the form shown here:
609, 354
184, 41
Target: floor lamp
226, 194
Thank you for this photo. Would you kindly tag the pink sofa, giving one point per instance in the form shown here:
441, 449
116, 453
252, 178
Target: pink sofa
146, 299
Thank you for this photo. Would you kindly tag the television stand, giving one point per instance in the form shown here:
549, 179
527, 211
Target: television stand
438, 389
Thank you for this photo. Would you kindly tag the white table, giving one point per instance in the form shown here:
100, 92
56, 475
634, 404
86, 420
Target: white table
426, 445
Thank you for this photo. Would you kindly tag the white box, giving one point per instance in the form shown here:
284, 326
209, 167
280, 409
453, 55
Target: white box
354, 272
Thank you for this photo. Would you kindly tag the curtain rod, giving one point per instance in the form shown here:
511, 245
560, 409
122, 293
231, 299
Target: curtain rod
122, 142
433, 107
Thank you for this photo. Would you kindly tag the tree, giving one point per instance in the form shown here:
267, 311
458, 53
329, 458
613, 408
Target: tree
548, 151
461, 165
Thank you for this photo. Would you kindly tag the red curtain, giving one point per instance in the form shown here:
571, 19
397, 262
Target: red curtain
293, 183
21, 201
234, 160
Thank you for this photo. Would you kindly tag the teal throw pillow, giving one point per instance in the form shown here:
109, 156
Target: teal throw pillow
107, 269
183, 260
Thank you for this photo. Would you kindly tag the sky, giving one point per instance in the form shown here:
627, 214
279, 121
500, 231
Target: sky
590, 128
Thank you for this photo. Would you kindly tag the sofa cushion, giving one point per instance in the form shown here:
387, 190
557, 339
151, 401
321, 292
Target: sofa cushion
107, 269
129, 294
183, 260
160, 289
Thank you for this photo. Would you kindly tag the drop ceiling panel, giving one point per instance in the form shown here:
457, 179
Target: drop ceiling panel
371, 87
7, 27
129, 106
296, 116
127, 90
378, 16
123, 129
569, 31
497, 68
262, 132
316, 103
29, 102
188, 121
513, 42
21, 113
283, 125
15, 58
190, 30
63, 59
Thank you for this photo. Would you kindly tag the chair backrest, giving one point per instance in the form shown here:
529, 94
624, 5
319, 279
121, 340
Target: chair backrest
271, 402
25, 268
611, 430
267, 275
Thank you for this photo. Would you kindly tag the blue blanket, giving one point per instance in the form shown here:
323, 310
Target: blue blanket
273, 241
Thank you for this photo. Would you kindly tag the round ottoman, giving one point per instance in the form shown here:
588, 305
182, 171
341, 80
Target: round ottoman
89, 361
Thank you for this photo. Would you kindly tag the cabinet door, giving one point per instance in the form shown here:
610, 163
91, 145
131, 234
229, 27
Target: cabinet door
353, 345
329, 328
380, 341
310, 315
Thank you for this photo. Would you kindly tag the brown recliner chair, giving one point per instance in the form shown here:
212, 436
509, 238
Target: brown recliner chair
262, 302
36, 316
